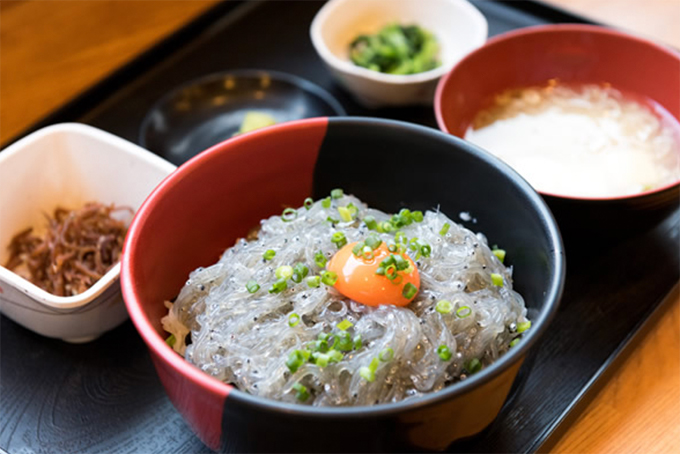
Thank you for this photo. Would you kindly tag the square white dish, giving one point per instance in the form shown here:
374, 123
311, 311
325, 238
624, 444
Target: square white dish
68, 165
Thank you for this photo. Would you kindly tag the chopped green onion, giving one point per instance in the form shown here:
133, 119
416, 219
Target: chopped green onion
417, 216
367, 374
358, 249
400, 262
367, 253
278, 286
445, 229
497, 279
293, 320
390, 272
296, 358
326, 203
500, 253
300, 272
409, 291
373, 242
405, 217
313, 281
392, 247
370, 223
329, 278
515, 341
386, 355
332, 220
426, 250
343, 341
337, 193
171, 340
289, 214
301, 392
335, 356
345, 325
323, 336
252, 286
321, 359
357, 342
284, 272
320, 259
269, 254
400, 237
463, 311
474, 366
339, 239
386, 227
444, 352
444, 306
521, 327
374, 364
320, 345
308, 203
345, 214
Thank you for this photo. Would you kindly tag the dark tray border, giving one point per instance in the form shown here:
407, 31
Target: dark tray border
97, 93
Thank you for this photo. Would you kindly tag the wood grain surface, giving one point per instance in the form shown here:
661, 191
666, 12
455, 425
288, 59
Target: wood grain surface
52, 50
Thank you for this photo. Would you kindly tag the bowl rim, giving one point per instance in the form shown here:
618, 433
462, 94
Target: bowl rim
550, 29
179, 365
29, 289
250, 73
464, 6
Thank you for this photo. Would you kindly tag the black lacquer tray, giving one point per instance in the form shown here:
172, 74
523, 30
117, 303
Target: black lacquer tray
105, 396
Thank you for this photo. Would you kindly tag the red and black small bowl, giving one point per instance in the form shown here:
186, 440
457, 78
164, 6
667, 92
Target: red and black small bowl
215, 198
573, 54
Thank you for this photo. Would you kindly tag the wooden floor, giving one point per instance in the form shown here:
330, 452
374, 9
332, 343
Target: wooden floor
52, 50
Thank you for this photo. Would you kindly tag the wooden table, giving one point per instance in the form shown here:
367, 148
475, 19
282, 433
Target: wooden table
50, 51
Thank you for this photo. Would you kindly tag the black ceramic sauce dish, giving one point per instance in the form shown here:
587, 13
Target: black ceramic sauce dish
388, 165
203, 112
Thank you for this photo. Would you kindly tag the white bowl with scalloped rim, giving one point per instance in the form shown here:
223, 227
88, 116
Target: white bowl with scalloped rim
68, 165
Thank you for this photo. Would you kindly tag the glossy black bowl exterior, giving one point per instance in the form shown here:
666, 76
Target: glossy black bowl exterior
388, 165
206, 111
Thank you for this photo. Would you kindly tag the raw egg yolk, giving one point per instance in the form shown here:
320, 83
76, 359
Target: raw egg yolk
357, 278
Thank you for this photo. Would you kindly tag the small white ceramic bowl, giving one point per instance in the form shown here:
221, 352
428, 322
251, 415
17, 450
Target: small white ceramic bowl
458, 26
68, 165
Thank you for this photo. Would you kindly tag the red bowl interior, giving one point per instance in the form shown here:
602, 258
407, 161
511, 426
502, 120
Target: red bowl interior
570, 53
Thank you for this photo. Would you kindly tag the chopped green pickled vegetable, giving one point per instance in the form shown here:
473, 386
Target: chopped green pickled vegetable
396, 49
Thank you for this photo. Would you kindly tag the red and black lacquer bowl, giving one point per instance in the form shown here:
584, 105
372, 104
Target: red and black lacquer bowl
219, 195
573, 54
